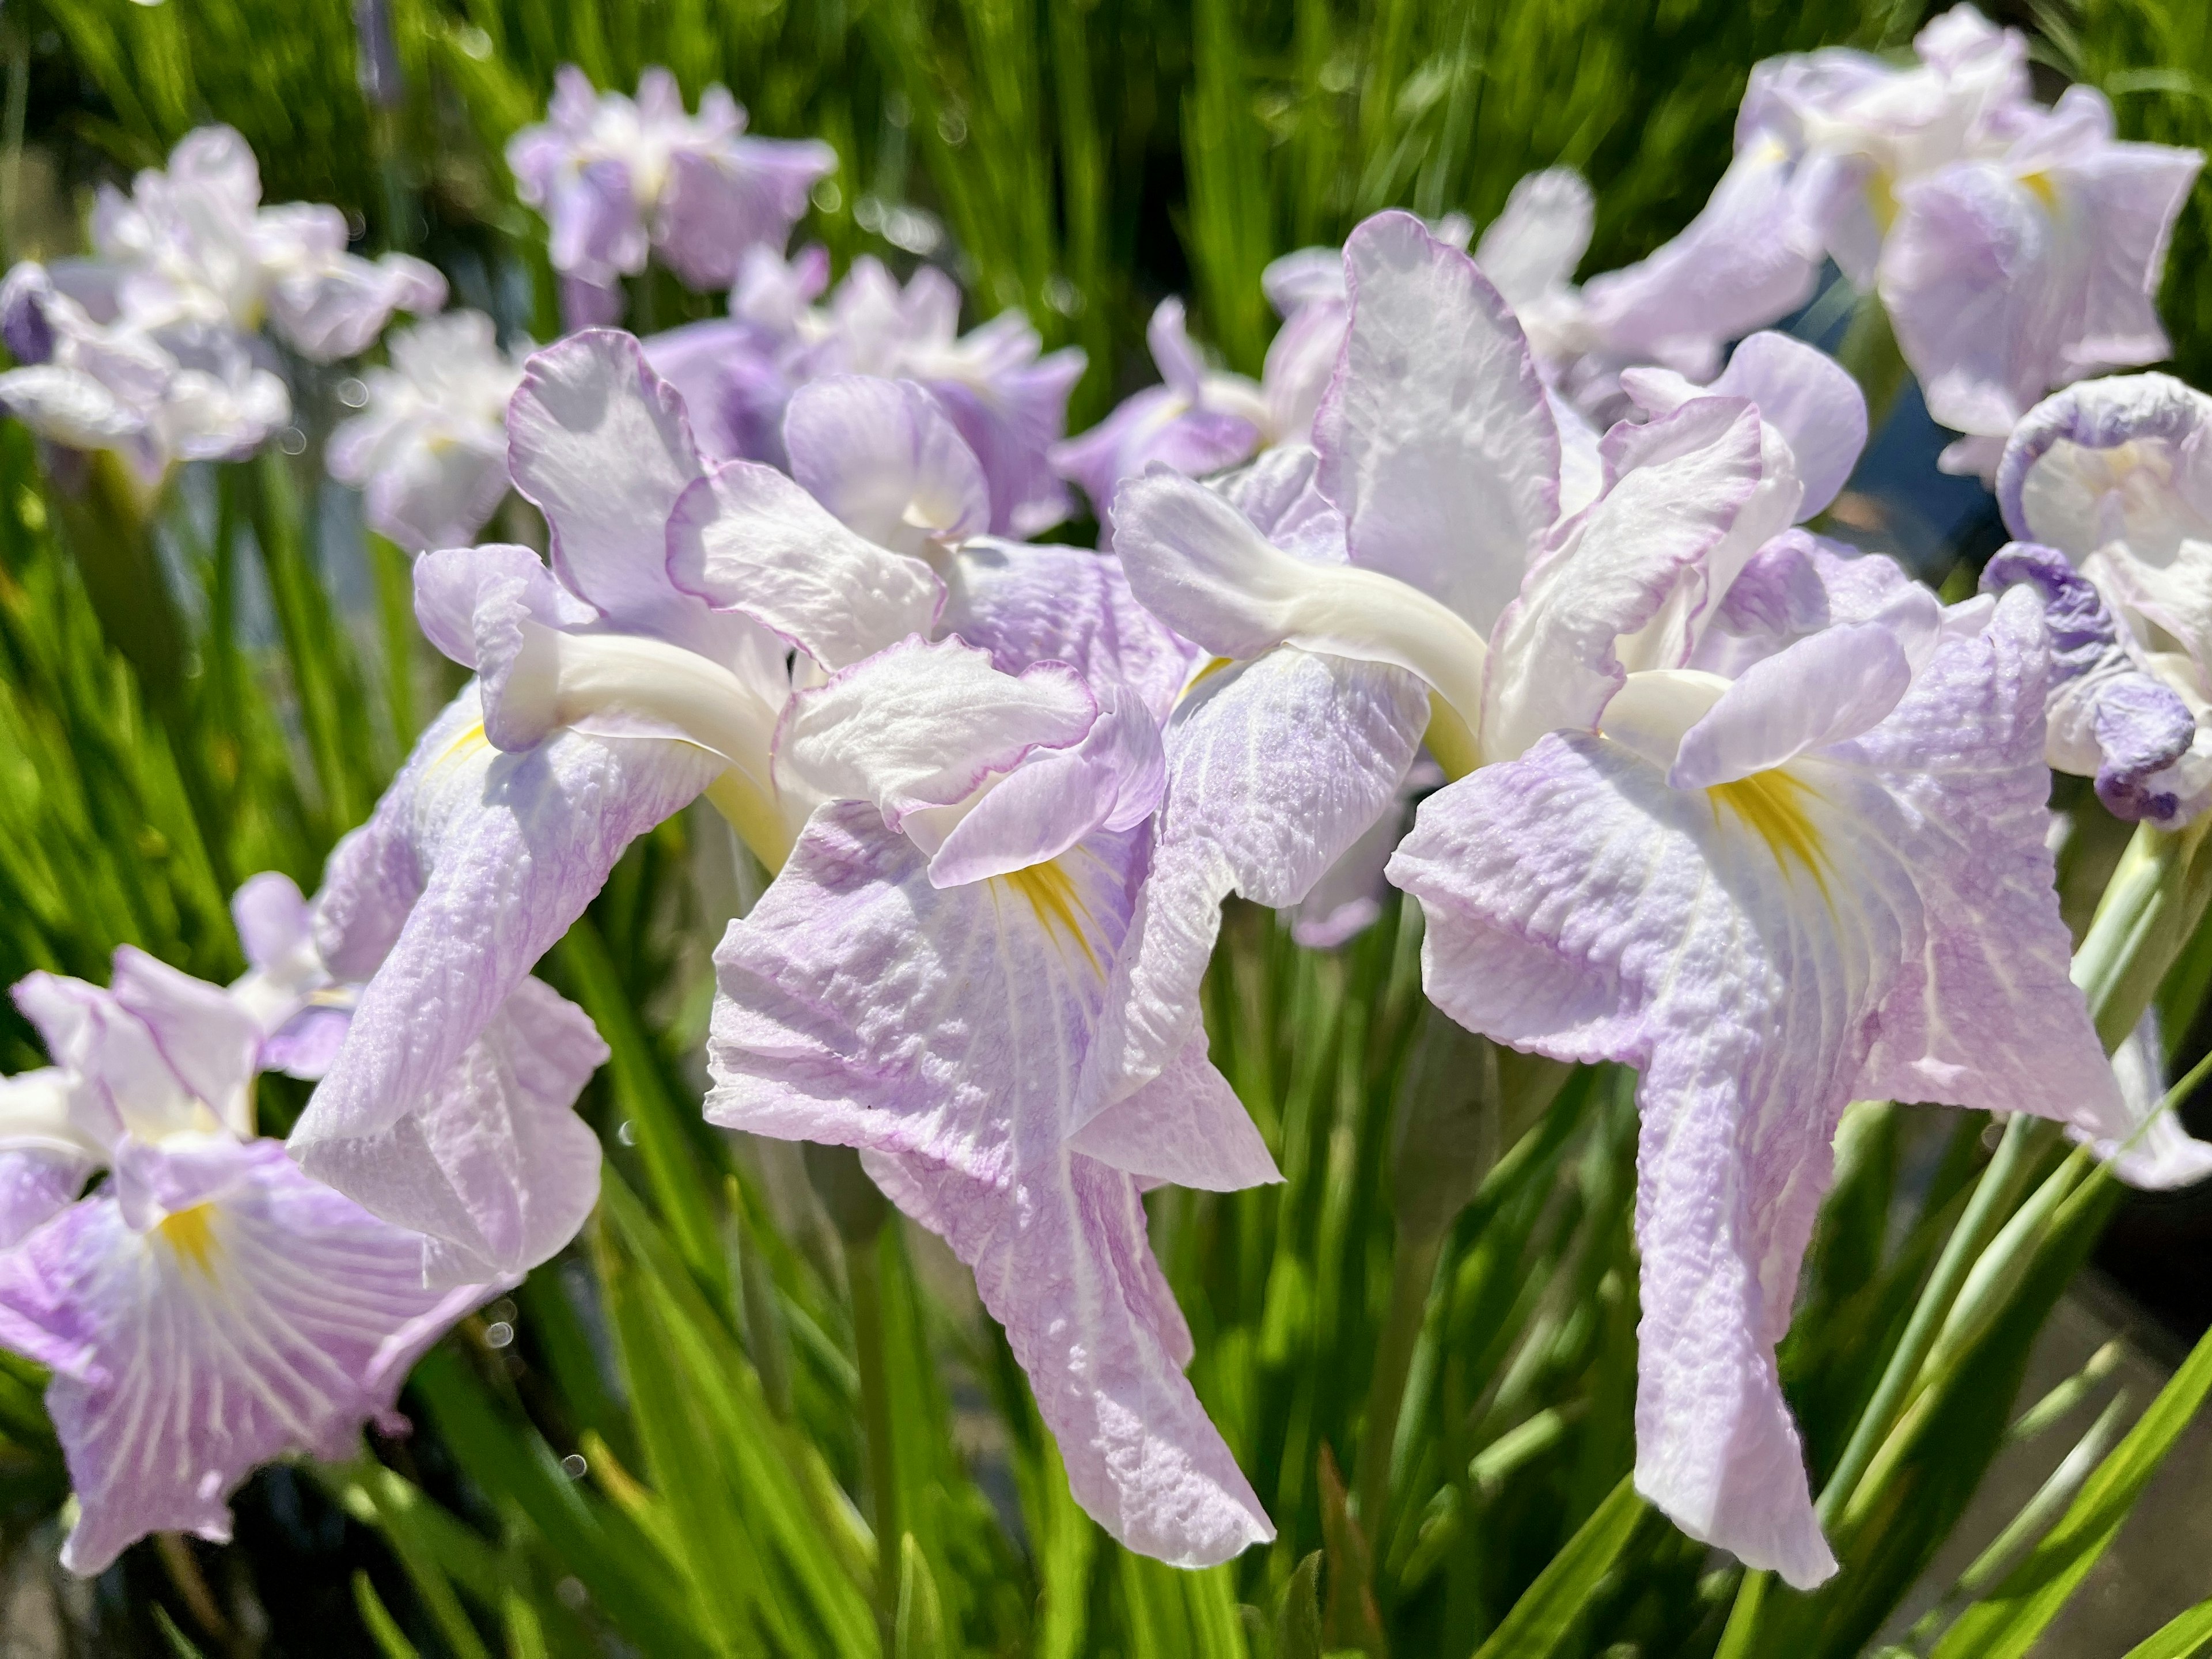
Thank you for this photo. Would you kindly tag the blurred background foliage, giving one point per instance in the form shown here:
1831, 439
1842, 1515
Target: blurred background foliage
654, 1446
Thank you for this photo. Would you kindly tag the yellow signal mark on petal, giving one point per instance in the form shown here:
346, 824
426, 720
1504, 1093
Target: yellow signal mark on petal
471, 739
1881, 202
1204, 671
2039, 185
1771, 805
1049, 892
190, 1234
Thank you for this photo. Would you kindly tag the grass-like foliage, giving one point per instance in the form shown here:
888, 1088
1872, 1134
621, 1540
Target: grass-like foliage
658, 1445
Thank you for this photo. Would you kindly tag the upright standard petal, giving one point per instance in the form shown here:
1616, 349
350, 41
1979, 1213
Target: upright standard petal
272, 1316
887, 460
1437, 441
747, 539
1676, 489
599, 444
940, 1031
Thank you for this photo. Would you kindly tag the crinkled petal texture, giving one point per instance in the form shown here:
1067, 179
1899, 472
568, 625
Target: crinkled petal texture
1275, 768
1651, 555
273, 1316
1876, 919
1028, 603
940, 1031
494, 1165
474, 864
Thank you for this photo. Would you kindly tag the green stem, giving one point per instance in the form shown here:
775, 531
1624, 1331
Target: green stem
1743, 1617
864, 1273
859, 1210
1412, 1271
1985, 1212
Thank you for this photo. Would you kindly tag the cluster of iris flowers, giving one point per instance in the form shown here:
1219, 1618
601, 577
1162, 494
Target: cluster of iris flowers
1700, 791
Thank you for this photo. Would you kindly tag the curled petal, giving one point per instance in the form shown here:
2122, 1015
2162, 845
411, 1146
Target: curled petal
2108, 718
747, 539
922, 726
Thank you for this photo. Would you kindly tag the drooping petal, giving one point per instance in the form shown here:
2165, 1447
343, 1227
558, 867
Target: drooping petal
1436, 440
747, 539
940, 1030
1877, 920
1987, 1018
920, 725
494, 1163
475, 862
274, 1318
1275, 768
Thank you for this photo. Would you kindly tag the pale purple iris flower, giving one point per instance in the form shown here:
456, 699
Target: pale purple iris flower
1291, 746
611, 692
1004, 394
428, 450
152, 397
150, 349
965, 818
1759, 818
2016, 248
207, 1307
194, 245
2108, 484
923, 981
618, 179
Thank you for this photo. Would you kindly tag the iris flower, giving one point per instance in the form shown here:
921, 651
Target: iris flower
207, 1307
2108, 487
1761, 820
